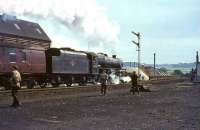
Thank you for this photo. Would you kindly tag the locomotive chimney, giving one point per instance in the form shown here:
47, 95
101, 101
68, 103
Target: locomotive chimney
114, 56
7, 17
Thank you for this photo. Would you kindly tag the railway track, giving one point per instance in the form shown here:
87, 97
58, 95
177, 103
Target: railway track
38, 94
63, 88
91, 87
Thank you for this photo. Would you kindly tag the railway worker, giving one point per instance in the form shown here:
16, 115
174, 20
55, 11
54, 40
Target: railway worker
103, 79
15, 84
192, 75
134, 82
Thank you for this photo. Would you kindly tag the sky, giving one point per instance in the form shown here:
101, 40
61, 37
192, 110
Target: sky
169, 28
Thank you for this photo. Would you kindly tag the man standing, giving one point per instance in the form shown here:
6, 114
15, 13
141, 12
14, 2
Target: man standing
15, 84
134, 86
103, 79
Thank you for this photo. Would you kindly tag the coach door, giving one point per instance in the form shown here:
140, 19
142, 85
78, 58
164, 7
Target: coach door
1, 59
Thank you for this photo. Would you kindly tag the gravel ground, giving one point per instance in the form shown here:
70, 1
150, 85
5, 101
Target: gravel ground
170, 106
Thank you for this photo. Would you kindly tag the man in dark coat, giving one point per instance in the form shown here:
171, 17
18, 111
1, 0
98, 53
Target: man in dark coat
103, 79
134, 82
15, 84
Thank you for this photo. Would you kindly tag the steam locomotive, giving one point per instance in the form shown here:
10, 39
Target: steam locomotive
26, 45
81, 67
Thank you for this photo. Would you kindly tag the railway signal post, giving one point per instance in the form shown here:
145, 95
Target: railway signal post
138, 35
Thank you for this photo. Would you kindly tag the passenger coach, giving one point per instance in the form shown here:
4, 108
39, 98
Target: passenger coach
22, 43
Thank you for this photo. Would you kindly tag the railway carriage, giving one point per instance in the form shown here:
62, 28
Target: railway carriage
22, 43
30, 62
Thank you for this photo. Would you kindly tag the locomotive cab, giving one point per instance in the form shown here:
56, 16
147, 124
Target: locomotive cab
49, 53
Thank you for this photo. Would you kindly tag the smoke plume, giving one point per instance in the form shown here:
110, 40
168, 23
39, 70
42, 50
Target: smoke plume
82, 19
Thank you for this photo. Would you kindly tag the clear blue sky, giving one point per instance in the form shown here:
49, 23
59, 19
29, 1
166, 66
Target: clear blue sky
170, 28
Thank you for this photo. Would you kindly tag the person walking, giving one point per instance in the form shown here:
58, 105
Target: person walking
192, 75
15, 85
134, 82
103, 79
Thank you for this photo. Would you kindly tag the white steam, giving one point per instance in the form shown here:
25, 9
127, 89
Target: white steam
116, 79
85, 19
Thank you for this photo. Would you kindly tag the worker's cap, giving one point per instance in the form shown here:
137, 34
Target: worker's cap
15, 67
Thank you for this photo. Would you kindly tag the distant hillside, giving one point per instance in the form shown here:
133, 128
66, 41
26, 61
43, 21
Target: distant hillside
185, 67
180, 65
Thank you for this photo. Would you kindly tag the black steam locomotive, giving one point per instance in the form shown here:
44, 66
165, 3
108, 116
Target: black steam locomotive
68, 66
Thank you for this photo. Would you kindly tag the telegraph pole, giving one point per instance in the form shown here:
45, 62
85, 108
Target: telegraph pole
154, 65
197, 62
139, 48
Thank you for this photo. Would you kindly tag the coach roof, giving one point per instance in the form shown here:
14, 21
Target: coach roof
10, 25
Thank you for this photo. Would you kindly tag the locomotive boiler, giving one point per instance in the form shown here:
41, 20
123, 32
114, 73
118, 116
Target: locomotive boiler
108, 63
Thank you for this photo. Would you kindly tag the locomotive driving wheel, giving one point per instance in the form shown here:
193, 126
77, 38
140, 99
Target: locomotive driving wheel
83, 81
69, 84
42, 85
68, 81
7, 85
5, 82
30, 84
55, 82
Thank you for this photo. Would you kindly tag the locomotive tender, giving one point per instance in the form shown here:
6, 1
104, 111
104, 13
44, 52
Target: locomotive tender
70, 66
26, 45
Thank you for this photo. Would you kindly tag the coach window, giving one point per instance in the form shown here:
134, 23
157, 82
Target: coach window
38, 30
17, 26
12, 56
